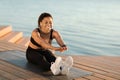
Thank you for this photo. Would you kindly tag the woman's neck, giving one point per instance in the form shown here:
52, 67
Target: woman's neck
44, 35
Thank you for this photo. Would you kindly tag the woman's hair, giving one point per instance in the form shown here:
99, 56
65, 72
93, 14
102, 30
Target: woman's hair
42, 16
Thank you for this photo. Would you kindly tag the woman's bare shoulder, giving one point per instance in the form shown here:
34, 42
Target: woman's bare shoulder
55, 33
34, 30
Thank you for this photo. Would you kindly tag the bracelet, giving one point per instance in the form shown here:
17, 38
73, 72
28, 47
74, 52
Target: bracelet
63, 45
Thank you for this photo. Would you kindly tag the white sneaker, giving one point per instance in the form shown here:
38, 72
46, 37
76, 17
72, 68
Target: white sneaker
67, 65
55, 67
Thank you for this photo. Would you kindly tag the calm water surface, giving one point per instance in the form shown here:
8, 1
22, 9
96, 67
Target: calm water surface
89, 27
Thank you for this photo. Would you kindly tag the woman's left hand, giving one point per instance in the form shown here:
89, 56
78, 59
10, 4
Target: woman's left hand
63, 49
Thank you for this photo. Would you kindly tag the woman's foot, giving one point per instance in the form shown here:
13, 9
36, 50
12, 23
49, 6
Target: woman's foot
55, 67
67, 64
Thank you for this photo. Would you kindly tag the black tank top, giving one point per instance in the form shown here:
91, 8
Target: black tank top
38, 45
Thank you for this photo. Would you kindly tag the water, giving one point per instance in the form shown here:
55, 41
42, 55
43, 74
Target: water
89, 27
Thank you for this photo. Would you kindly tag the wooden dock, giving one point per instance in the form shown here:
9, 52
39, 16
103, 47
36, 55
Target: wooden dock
102, 67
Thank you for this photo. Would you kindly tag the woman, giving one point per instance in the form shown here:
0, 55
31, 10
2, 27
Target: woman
39, 50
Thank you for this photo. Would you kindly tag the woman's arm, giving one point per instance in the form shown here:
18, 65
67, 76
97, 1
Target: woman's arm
43, 43
59, 40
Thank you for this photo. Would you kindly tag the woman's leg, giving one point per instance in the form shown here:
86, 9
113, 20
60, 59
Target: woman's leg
50, 57
57, 62
36, 58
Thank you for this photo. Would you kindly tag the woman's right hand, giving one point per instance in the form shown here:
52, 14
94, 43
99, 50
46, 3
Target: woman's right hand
61, 49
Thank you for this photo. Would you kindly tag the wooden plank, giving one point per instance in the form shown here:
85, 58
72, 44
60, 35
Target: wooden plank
81, 79
94, 70
100, 65
3, 49
11, 46
12, 36
102, 68
106, 60
16, 73
103, 76
6, 75
93, 78
6, 47
3, 78
5, 29
24, 41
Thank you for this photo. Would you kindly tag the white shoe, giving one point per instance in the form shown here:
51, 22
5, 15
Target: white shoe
55, 67
67, 65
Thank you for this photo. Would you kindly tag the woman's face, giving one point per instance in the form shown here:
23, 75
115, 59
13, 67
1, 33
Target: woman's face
46, 24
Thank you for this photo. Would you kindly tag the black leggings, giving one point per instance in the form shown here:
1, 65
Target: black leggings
42, 58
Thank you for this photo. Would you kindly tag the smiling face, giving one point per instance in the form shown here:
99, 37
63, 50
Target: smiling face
46, 24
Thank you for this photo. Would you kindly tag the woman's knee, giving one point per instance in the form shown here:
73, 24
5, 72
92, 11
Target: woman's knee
50, 57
